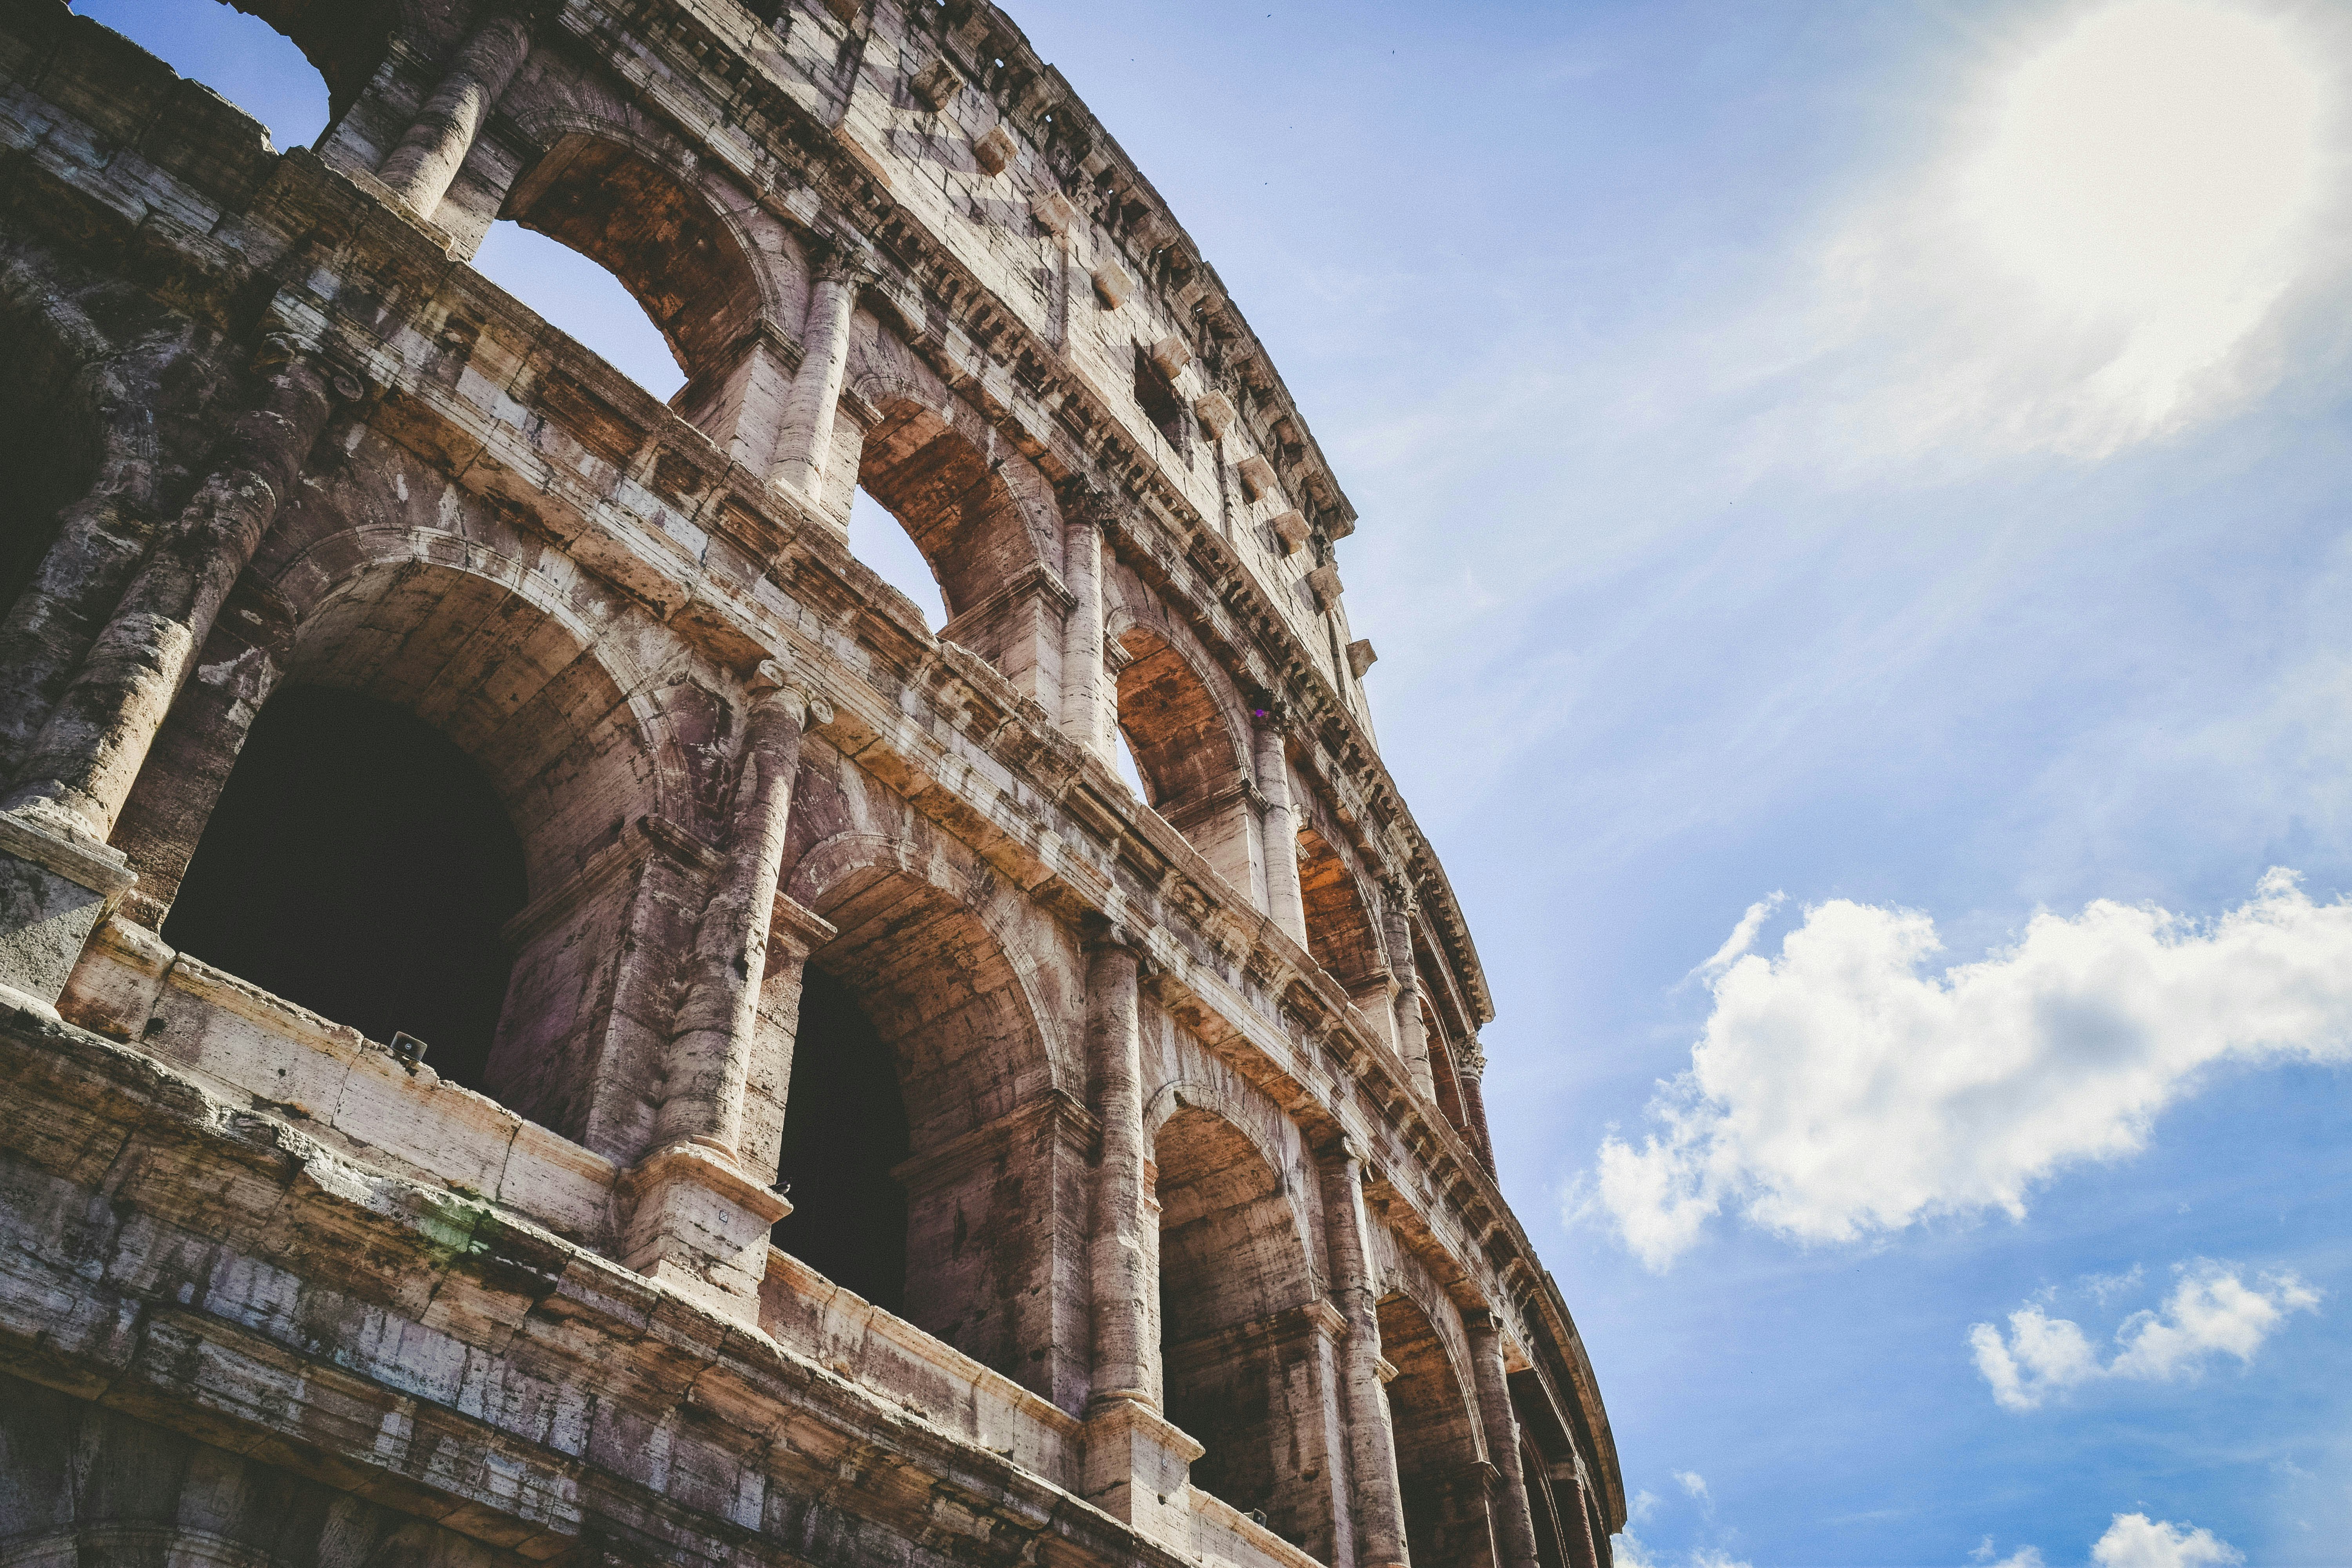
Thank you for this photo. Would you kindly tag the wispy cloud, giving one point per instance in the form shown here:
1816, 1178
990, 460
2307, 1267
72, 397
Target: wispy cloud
2210, 1312
1742, 937
1838, 1093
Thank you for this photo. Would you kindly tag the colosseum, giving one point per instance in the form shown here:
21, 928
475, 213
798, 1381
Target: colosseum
549, 1016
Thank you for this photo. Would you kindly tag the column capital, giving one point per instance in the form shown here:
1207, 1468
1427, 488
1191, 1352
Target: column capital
1472, 1059
1100, 933
1403, 897
1083, 500
774, 680
844, 258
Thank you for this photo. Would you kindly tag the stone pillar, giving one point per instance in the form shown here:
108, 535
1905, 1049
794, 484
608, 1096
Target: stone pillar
1123, 1289
102, 536
1471, 1065
420, 169
1137, 1461
1514, 1528
1372, 1440
807, 438
696, 1219
1411, 1030
1084, 674
59, 877
707, 1062
1284, 901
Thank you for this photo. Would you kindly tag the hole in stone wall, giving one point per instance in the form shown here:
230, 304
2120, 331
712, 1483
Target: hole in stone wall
1231, 1275
1436, 1446
583, 300
242, 57
876, 537
844, 1129
359, 865
1158, 400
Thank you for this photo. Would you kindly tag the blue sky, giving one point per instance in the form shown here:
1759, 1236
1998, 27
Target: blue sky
1889, 457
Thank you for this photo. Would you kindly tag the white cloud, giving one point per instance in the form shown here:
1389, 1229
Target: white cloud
1644, 1504
1742, 937
2212, 1311
1693, 1483
2023, 1557
2134, 1540
1838, 1093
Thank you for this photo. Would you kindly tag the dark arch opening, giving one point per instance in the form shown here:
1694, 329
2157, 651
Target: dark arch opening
844, 1133
1438, 1477
1184, 755
1233, 1341
359, 865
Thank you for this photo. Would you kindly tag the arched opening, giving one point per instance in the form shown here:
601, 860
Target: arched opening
656, 236
1341, 932
919, 1045
1185, 757
294, 65
360, 864
1438, 1471
459, 666
876, 537
580, 298
952, 501
844, 1136
1238, 1346
1551, 1549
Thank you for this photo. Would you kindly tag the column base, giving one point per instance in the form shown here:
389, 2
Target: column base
1138, 1465
691, 1219
55, 884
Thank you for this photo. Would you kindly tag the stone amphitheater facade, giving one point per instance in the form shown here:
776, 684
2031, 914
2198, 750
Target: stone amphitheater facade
1141, 1205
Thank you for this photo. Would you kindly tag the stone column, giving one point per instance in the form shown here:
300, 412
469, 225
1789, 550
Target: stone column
806, 437
1472, 1066
695, 1218
1372, 1440
1411, 1030
1084, 674
57, 875
1284, 901
420, 169
1137, 1461
1514, 1528
707, 1062
1116, 1257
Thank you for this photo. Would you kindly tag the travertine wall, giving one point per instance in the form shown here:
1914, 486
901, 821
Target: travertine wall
1204, 1256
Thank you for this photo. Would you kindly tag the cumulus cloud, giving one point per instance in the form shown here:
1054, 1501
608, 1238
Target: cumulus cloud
2210, 1312
1837, 1092
1693, 1482
2134, 1540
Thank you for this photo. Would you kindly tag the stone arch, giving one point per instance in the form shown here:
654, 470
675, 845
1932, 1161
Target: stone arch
1246, 1357
1433, 1405
941, 472
1193, 763
553, 711
652, 222
1342, 933
992, 1181
410, 598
